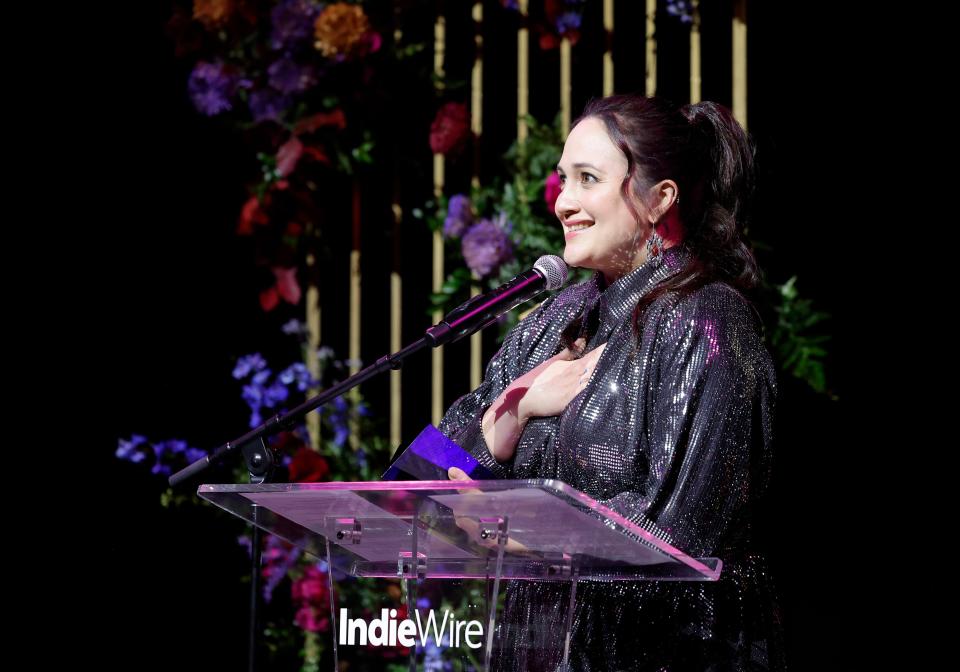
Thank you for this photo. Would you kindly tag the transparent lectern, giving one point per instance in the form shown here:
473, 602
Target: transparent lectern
451, 545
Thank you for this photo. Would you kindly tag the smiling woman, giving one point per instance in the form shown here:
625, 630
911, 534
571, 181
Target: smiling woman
648, 387
604, 229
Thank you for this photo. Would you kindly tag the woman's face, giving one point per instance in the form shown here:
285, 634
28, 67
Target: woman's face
591, 171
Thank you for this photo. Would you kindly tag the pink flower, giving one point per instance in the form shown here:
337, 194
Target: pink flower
288, 155
287, 284
286, 288
450, 129
311, 587
313, 619
551, 191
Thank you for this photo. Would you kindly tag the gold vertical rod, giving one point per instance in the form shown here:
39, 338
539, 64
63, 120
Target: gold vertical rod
396, 330
740, 62
476, 124
354, 338
565, 86
651, 48
523, 73
313, 344
608, 48
436, 387
696, 76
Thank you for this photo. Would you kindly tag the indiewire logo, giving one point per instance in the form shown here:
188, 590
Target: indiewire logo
387, 631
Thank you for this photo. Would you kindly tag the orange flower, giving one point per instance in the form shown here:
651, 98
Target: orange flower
212, 13
340, 28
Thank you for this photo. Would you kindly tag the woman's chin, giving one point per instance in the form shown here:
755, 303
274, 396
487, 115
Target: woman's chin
573, 258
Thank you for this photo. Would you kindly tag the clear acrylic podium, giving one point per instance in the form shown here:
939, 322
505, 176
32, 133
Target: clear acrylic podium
456, 540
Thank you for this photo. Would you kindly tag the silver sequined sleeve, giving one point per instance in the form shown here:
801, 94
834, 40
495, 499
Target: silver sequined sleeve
710, 399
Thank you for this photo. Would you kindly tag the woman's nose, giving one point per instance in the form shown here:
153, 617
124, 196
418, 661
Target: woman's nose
565, 206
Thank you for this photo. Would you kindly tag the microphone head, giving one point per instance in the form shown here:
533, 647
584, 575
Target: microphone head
553, 269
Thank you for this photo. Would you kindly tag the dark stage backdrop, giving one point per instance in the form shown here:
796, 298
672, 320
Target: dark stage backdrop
173, 301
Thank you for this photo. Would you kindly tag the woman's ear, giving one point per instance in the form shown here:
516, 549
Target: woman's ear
661, 197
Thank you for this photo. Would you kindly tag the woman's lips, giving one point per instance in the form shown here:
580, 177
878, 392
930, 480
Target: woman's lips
570, 234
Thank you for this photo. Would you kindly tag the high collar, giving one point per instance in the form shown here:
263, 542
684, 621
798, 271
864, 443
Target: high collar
616, 302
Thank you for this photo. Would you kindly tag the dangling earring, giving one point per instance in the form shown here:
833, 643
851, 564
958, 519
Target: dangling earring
654, 244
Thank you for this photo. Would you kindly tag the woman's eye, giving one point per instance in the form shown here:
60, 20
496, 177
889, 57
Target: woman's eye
588, 178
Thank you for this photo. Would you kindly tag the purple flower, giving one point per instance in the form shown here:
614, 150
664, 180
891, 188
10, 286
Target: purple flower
568, 21
275, 394
128, 450
433, 655
278, 559
159, 468
194, 454
681, 9
297, 373
292, 22
211, 86
171, 447
338, 413
294, 327
268, 105
486, 245
459, 216
257, 393
288, 76
248, 363
253, 395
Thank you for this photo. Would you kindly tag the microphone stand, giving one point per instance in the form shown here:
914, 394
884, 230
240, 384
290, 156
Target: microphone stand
473, 315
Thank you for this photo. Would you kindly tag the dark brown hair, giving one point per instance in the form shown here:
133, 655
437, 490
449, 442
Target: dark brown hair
709, 155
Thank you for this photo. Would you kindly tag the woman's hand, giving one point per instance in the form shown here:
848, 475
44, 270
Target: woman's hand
553, 385
457, 474
472, 527
544, 391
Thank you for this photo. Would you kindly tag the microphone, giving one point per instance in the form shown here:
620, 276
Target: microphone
548, 273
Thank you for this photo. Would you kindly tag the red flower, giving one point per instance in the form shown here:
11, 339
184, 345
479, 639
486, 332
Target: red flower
315, 121
269, 299
287, 442
317, 154
450, 129
252, 213
549, 41
308, 466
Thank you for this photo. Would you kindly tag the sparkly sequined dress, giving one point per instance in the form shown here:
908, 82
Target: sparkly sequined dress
673, 432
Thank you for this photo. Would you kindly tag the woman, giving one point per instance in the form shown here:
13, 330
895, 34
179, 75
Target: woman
647, 387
